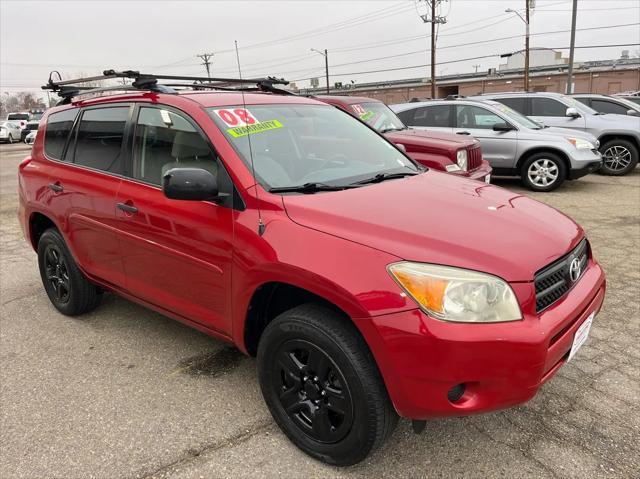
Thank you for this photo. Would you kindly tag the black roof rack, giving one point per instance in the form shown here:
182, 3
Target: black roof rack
67, 89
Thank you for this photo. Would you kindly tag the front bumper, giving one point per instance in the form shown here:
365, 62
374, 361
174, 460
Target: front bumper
480, 174
574, 174
500, 364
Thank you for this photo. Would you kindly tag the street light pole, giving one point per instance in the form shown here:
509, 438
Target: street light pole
526, 43
325, 54
572, 47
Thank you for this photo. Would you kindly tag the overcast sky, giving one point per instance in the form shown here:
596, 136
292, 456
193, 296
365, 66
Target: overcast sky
275, 37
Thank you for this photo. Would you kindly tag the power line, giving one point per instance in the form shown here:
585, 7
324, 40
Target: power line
466, 59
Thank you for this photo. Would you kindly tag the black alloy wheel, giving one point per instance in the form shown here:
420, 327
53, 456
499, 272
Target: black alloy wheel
56, 273
313, 391
322, 385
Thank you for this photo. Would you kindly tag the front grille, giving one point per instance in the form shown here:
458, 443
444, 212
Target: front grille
553, 281
474, 158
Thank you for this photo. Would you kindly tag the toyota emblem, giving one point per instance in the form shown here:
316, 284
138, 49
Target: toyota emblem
575, 269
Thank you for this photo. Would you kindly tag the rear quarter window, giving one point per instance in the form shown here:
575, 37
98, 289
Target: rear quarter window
57, 131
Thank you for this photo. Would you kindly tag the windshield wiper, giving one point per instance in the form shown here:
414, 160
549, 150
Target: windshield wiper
384, 176
310, 188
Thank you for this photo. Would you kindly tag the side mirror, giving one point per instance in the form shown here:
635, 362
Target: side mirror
504, 126
193, 184
632, 113
572, 113
403, 149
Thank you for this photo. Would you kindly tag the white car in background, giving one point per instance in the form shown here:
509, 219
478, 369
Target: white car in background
21, 118
9, 131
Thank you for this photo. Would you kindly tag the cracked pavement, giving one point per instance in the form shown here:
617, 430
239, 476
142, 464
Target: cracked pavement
127, 393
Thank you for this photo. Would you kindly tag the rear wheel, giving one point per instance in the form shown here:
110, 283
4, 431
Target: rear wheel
543, 172
68, 289
619, 157
322, 385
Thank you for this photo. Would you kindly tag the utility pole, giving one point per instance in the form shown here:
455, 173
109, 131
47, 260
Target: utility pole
574, 14
434, 20
205, 57
526, 48
476, 67
325, 54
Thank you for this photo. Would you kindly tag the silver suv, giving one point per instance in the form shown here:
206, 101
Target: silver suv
619, 135
514, 145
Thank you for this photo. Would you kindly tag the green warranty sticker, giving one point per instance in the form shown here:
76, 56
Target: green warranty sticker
239, 131
366, 116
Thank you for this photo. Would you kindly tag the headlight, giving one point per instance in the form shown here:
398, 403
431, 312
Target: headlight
459, 295
462, 159
581, 144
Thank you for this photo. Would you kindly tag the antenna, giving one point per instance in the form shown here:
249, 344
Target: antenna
238, 58
261, 225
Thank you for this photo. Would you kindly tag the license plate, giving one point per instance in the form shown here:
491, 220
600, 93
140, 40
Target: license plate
581, 335
487, 179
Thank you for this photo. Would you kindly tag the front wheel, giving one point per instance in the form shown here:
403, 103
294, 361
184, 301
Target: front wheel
619, 157
543, 172
322, 386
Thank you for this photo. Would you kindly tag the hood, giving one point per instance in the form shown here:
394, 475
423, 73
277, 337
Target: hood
567, 133
624, 122
439, 218
428, 140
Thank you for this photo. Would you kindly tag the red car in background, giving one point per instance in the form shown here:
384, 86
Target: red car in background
461, 156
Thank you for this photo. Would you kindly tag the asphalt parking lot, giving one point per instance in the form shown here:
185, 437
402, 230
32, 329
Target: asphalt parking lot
125, 392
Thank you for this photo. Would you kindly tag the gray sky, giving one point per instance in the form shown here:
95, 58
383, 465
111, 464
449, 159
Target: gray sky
275, 37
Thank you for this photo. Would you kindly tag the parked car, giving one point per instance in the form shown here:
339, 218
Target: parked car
366, 285
513, 144
9, 131
29, 127
608, 104
31, 137
438, 150
633, 96
619, 135
21, 118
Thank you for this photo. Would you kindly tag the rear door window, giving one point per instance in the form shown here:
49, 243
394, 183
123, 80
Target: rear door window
99, 139
57, 131
436, 116
547, 107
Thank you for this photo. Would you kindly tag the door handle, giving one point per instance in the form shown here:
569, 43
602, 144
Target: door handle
462, 133
57, 187
127, 208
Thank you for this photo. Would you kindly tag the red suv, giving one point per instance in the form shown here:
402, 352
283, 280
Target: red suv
367, 286
441, 151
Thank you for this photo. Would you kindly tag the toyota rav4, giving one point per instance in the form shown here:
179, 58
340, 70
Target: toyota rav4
367, 286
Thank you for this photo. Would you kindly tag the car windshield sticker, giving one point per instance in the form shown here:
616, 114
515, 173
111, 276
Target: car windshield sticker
254, 128
359, 110
366, 116
236, 116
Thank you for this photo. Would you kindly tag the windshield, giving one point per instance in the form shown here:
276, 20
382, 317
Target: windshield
294, 145
378, 115
18, 116
516, 117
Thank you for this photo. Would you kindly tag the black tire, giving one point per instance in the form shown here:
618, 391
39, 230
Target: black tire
543, 172
68, 289
619, 157
345, 398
